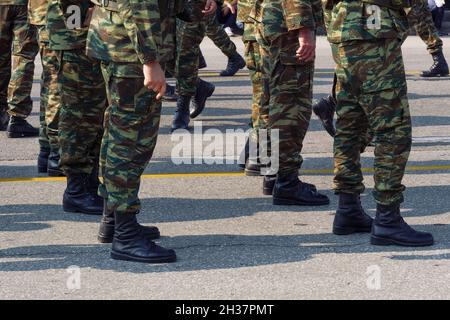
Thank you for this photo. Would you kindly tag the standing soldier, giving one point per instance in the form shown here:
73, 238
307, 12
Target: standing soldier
371, 93
127, 36
20, 38
83, 102
285, 28
49, 103
420, 17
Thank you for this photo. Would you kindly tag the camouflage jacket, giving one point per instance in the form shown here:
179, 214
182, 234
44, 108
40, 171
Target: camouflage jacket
126, 31
65, 27
37, 12
244, 10
280, 16
13, 2
356, 20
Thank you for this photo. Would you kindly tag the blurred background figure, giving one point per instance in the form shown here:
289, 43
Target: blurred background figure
227, 15
437, 8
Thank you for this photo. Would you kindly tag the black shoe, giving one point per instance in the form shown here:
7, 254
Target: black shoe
350, 216
181, 117
201, 61
42, 161
235, 63
204, 91
4, 120
439, 67
269, 184
53, 168
324, 109
171, 94
20, 128
78, 199
289, 190
130, 244
389, 228
93, 181
106, 232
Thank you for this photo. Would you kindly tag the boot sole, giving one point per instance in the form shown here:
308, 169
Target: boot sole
288, 202
343, 231
195, 114
20, 135
267, 192
252, 173
377, 241
232, 75
72, 209
125, 257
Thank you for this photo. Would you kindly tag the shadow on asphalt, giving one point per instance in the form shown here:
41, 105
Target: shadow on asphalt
214, 251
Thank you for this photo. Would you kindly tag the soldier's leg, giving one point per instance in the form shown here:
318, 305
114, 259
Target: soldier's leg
189, 85
50, 73
420, 17
133, 124
289, 115
83, 102
217, 34
25, 49
6, 38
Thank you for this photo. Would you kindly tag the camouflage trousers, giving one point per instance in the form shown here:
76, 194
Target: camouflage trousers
371, 96
260, 111
131, 130
83, 102
20, 38
420, 17
49, 95
288, 88
189, 37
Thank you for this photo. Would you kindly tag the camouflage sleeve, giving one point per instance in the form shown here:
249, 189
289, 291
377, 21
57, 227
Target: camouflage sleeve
300, 14
142, 21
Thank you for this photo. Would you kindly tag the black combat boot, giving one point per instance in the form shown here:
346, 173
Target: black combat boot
171, 93
53, 168
350, 216
77, 198
245, 153
439, 67
106, 232
235, 63
20, 128
269, 184
42, 161
389, 228
201, 61
289, 190
181, 117
324, 110
93, 181
4, 120
204, 91
130, 244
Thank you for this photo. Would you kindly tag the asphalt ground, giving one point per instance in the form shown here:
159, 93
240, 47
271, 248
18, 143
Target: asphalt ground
232, 243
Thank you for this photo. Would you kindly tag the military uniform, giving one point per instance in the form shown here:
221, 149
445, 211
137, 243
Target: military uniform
83, 102
18, 34
289, 80
288, 86
124, 36
254, 63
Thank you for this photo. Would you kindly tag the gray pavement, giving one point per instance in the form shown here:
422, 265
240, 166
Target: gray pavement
231, 242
